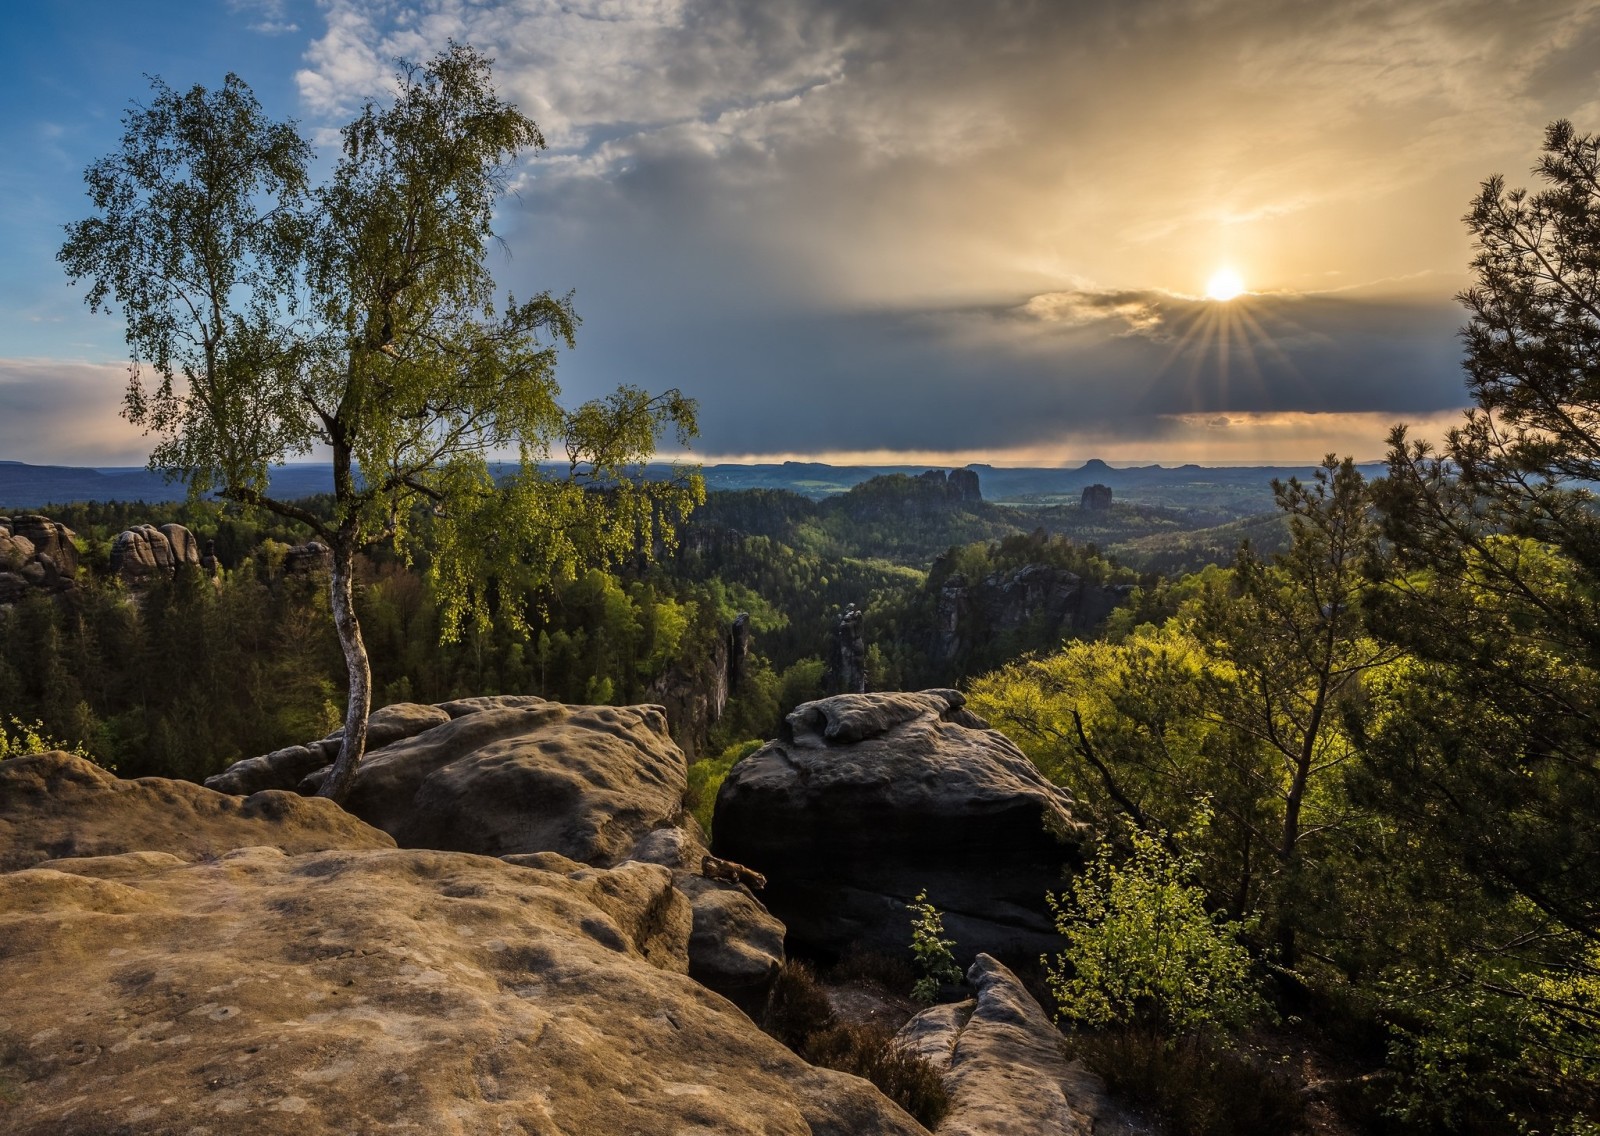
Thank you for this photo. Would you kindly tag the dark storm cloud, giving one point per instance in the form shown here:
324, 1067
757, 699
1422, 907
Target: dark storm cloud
1000, 378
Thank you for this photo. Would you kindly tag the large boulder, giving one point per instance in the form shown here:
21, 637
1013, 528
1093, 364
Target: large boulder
286, 768
36, 554
55, 804
868, 799
144, 552
500, 776
48, 538
365, 991
1001, 1062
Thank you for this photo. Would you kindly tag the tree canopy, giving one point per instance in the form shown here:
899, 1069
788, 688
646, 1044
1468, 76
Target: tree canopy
359, 317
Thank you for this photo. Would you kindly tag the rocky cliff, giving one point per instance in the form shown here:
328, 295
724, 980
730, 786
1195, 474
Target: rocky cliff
36, 554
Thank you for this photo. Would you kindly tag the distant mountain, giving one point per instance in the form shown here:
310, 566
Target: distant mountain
25, 486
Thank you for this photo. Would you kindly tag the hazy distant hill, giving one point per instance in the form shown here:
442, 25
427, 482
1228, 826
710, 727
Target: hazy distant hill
24, 486
1237, 489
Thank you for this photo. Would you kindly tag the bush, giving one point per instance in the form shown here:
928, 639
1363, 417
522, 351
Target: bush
1195, 1084
799, 1015
871, 1051
931, 950
23, 739
797, 1006
1142, 949
891, 972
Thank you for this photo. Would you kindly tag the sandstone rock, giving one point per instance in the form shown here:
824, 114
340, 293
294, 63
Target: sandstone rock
15, 551
963, 485
54, 805
1097, 497
366, 991
143, 552
281, 768
868, 799
847, 654
1001, 1062
36, 555
1045, 601
184, 547
308, 559
50, 538
736, 947
500, 776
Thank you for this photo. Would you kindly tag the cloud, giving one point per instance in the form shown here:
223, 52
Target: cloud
868, 226
66, 413
271, 16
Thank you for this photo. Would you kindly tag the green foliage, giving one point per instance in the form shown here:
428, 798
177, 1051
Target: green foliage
1143, 950
930, 950
23, 739
707, 776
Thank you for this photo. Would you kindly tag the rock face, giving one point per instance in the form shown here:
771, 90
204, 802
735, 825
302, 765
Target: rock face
847, 653
379, 990
36, 554
54, 805
308, 559
144, 552
868, 799
958, 486
1097, 497
1046, 602
695, 693
1000, 1060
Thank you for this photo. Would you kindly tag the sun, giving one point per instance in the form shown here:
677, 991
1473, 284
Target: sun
1224, 284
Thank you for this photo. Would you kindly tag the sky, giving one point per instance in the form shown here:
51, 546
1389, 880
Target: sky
895, 232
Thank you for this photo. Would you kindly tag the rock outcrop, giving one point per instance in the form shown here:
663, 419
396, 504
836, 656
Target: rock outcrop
36, 554
1044, 602
847, 653
1000, 1060
55, 805
309, 559
378, 990
141, 554
517, 776
1095, 497
694, 692
868, 799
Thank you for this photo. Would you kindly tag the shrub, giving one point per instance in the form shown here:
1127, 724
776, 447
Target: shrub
1195, 1084
1143, 950
22, 739
930, 950
799, 1015
871, 1051
891, 972
797, 1006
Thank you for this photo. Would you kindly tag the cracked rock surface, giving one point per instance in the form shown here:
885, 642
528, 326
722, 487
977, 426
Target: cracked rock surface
377, 990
